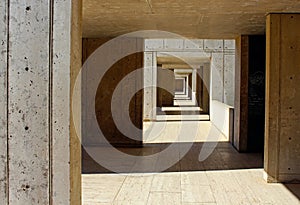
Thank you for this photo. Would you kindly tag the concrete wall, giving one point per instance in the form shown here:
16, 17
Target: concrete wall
221, 116
104, 94
282, 131
35, 80
164, 97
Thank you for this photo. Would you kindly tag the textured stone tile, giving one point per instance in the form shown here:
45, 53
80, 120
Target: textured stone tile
197, 193
164, 198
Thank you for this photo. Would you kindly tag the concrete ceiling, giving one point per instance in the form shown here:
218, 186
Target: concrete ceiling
190, 18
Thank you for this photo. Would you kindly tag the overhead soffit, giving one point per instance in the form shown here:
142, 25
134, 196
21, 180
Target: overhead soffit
190, 18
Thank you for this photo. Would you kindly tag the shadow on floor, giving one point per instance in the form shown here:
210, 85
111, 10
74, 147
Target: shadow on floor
177, 157
294, 188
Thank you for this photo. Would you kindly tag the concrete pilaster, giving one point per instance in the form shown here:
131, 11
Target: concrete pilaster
150, 82
241, 94
35, 63
282, 132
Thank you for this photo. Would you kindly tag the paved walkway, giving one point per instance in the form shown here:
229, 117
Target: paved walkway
228, 187
226, 177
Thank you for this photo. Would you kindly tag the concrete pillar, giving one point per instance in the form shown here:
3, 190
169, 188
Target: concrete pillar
282, 131
35, 63
194, 86
150, 82
241, 93
206, 87
229, 73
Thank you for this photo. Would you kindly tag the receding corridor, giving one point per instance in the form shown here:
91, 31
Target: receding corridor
159, 102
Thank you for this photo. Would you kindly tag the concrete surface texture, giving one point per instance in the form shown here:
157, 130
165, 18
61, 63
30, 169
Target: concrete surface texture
282, 134
216, 19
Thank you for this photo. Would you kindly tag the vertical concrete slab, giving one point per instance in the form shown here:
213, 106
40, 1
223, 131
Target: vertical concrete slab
75, 138
154, 83
66, 63
217, 72
206, 87
150, 75
61, 86
289, 158
229, 78
29, 82
241, 94
282, 140
3, 102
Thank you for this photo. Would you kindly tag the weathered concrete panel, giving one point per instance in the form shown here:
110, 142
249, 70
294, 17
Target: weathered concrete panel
193, 44
154, 44
106, 89
217, 73
229, 44
289, 158
148, 81
241, 94
65, 142
173, 44
29, 102
213, 44
3, 102
206, 87
75, 143
229, 78
282, 140
60, 104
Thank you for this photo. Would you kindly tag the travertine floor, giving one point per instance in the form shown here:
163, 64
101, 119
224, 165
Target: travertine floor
187, 188
181, 131
226, 177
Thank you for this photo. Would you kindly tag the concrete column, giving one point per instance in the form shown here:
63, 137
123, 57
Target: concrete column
206, 87
241, 93
282, 131
194, 86
154, 83
35, 63
187, 86
150, 81
29, 133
